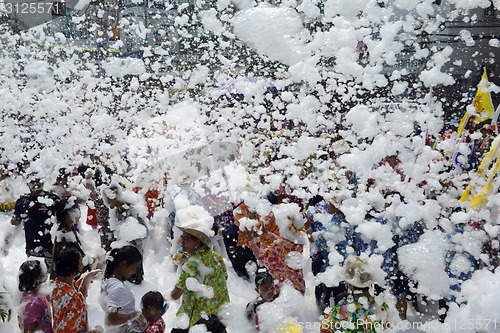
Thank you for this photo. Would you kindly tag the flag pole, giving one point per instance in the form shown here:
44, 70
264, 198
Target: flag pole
494, 119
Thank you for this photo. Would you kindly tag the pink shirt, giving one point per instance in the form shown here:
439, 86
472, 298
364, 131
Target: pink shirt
36, 309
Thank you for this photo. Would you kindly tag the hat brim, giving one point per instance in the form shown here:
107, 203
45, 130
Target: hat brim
197, 234
356, 282
359, 285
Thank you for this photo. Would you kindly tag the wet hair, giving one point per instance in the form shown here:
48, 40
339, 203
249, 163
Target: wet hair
272, 198
315, 200
30, 273
66, 261
63, 173
154, 299
262, 277
130, 254
64, 208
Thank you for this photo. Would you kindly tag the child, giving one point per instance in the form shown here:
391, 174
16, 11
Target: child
35, 309
69, 307
116, 299
360, 312
264, 285
290, 241
67, 215
152, 305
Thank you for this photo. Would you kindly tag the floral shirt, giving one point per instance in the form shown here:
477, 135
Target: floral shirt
156, 327
152, 197
275, 258
458, 265
203, 282
354, 317
36, 309
69, 309
337, 230
269, 221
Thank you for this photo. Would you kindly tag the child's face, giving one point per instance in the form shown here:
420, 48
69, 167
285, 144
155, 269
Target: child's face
129, 270
151, 314
42, 278
80, 265
267, 291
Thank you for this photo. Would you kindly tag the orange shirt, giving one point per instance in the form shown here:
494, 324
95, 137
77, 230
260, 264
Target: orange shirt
269, 221
69, 310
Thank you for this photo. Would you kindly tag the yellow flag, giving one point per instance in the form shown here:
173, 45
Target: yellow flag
476, 192
463, 123
482, 101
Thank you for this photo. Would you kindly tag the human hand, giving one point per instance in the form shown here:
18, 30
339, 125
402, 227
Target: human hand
251, 234
264, 228
90, 276
98, 329
93, 274
140, 319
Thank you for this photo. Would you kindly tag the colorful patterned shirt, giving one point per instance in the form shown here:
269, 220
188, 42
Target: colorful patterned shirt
339, 229
354, 317
68, 308
243, 211
156, 327
205, 272
275, 256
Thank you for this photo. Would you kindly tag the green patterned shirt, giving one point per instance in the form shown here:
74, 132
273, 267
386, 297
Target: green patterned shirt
203, 282
354, 317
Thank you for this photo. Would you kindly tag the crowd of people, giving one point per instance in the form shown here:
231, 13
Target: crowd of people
284, 219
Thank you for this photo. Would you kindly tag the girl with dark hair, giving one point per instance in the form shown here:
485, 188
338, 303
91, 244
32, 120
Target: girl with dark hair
67, 214
35, 308
123, 211
69, 308
116, 299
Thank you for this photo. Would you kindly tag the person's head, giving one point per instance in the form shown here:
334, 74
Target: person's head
190, 243
31, 275
68, 262
264, 285
4, 172
112, 196
35, 184
152, 304
196, 224
486, 129
315, 200
62, 177
123, 262
290, 221
67, 213
356, 276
